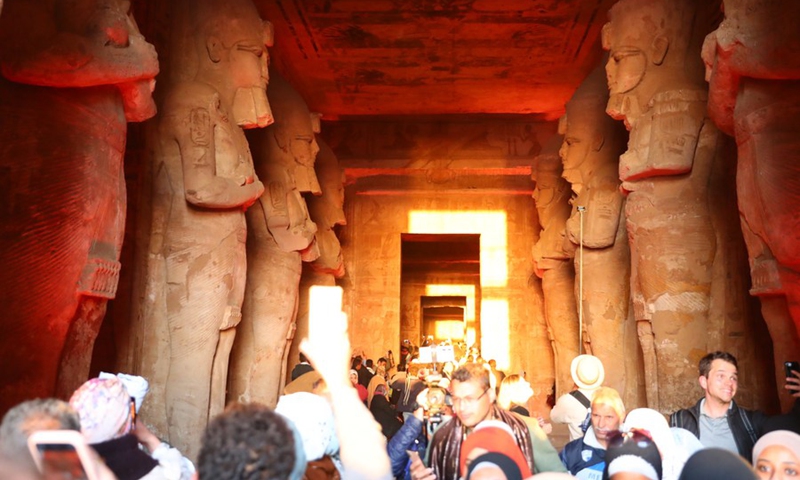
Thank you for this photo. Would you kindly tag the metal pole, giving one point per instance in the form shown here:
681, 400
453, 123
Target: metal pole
581, 211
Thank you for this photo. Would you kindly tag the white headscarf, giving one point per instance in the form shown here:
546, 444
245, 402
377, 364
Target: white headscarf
313, 417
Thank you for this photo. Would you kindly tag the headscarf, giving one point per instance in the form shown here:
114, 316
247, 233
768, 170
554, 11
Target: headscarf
674, 455
373, 384
632, 464
313, 417
716, 464
299, 468
509, 467
493, 438
633, 445
104, 406
784, 438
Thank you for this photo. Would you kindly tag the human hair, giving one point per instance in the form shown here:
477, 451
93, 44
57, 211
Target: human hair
382, 360
369, 363
31, 416
512, 388
472, 371
609, 397
705, 362
303, 357
247, 442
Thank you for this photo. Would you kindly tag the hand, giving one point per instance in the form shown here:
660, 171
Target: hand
418, 469
793, 384
145, 436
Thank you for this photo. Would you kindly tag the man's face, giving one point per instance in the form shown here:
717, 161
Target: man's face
471, 402
604, 421
722, 381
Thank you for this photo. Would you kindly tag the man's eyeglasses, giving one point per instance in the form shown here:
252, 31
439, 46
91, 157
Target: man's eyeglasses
641, 437
468, 401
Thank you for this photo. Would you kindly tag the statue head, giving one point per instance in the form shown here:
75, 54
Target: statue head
294, 132
552, 203
229, 40
592, 139
81, 43
327, 211
653, 46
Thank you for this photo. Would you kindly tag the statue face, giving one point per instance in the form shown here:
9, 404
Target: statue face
574, 151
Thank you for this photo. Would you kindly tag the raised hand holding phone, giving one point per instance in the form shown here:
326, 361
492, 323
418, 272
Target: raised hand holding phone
63, 454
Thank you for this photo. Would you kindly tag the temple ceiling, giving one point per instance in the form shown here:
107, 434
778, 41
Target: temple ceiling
365, 58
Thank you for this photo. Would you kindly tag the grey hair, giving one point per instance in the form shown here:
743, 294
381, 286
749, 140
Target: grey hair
30, 416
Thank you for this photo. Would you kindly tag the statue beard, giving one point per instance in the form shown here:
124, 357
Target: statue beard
251, 107
624, 107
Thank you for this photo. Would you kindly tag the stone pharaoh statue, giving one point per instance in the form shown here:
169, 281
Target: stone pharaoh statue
554, 262
80, 70
203, 181
754, 73
281, 237
593, 143
655, 80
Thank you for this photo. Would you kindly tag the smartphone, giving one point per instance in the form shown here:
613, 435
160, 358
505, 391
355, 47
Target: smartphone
62, 455
789, 367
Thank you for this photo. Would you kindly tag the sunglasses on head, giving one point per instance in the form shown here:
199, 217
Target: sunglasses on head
640, 436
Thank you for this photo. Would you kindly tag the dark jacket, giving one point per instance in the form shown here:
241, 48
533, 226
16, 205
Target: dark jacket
746, 425
578, 455
409, 437
385, 415
300, 369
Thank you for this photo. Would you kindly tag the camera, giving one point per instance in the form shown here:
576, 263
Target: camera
434, 400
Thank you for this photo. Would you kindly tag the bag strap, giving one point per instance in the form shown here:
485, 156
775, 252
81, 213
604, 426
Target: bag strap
581, 398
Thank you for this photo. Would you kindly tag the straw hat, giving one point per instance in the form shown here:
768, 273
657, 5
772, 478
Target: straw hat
587, 371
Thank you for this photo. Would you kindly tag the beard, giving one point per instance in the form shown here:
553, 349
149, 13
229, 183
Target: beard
251, 108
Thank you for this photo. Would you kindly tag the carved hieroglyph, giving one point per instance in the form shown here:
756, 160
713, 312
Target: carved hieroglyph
63, 215
753, 69
656, 87
203, 180
593, 143
281, 236
552, 256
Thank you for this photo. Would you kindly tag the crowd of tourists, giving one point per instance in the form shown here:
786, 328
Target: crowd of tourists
344, 416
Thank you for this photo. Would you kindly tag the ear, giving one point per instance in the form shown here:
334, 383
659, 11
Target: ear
658, 49
703, 382
214, 48
598, 141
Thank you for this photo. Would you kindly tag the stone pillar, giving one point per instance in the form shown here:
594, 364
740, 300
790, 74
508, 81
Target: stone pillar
593, 143
203, 180
754, 74
282, 236
74, 74
552, 256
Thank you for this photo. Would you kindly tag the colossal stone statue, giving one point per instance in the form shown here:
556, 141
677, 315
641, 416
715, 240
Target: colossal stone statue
80, 70
593, 143
554, 263
326, 211
656, 87
203, 180
281, 236
753, 69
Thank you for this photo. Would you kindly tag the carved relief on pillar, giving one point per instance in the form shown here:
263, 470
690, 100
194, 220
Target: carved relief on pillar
552, 256
656, 87
593, 143
753, 71
73, 69
281, 238
203, 180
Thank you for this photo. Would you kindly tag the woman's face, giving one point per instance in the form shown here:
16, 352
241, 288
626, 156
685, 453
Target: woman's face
354, 378
777, 462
